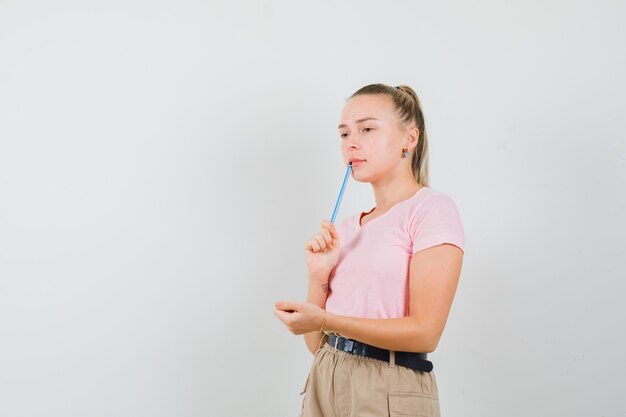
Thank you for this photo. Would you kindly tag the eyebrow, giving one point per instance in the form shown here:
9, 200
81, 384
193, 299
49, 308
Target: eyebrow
358, 121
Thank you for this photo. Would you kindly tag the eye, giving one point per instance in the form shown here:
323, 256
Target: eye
367, 129
343, 135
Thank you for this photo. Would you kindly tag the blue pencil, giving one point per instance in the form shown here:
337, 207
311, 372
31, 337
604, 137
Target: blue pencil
343, 186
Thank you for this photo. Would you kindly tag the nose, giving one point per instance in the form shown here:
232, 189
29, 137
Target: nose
353, 142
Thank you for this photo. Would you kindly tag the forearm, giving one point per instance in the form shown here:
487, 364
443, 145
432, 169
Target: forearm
404, 334
317, 294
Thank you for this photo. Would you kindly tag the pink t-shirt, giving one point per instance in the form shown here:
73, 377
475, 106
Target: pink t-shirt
370, 279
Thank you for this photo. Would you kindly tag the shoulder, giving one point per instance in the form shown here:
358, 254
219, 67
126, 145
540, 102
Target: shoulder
435, 220
435, 201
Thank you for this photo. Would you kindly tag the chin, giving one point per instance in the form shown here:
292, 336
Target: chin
359, 177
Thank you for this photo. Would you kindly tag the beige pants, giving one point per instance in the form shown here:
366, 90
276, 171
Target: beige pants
341, 384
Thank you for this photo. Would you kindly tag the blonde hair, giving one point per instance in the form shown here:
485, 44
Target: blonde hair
409, 110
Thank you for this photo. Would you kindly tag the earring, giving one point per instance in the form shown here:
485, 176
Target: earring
405, 152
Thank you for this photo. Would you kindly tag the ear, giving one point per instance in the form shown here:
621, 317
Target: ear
412, 138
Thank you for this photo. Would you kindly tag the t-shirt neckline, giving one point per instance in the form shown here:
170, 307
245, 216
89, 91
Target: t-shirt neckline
358, 218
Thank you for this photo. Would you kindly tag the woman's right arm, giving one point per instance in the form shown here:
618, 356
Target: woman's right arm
322, 253
317, 294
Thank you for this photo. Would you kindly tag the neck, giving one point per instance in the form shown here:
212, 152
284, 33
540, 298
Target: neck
390, 192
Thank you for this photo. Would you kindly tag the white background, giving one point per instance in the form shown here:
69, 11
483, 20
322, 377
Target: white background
163, 162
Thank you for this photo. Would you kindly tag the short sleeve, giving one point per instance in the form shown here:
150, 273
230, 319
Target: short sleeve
435, 221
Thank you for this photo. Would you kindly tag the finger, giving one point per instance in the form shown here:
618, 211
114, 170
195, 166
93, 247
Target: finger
321, 241
288, 305
282, 315
314, 245
332, 231
322, 238
329, 225
278, 313
311, 245
327, 236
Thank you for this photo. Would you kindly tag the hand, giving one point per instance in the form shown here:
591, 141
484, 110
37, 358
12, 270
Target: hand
299, 318
322, 250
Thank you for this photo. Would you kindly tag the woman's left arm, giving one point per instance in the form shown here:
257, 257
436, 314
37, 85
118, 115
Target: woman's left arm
433, 279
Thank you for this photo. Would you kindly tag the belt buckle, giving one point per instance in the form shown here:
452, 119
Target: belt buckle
337, 337
348, 344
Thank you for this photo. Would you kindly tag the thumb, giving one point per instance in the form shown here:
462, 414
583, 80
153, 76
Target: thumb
334, 234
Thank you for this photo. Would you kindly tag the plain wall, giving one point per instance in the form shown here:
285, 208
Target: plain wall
162, 164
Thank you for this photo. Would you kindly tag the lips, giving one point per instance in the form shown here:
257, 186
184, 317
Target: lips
356, 161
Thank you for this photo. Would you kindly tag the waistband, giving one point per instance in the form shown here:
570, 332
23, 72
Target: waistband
413, 360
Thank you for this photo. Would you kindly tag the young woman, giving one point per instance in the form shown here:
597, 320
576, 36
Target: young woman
381, 284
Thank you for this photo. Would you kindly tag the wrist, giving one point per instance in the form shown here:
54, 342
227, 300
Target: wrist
317, 294
331, 323
318, 287
319, 276
323, 321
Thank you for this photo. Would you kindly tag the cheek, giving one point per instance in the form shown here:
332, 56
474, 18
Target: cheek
344, 153
383, 148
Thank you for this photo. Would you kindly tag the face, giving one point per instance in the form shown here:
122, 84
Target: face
371, 130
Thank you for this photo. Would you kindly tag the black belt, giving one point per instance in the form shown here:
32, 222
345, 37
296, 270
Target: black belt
411, 360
